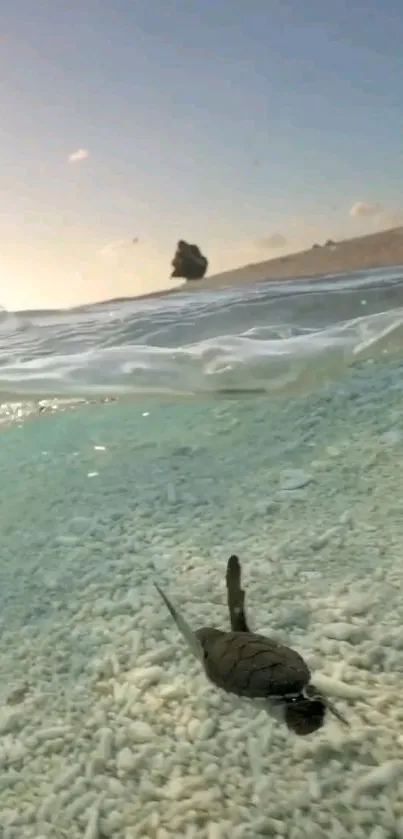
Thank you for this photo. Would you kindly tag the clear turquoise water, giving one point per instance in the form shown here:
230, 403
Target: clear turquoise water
106, 724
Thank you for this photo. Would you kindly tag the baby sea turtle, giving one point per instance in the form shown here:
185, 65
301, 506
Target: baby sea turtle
255, 667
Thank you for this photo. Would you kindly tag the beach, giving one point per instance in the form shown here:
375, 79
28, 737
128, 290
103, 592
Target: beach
377, 250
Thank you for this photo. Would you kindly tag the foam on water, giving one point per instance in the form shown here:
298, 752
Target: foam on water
108, 727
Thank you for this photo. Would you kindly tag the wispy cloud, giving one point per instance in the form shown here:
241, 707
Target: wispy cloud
361, 209
272, 242
78, 156
383, 218
117, 245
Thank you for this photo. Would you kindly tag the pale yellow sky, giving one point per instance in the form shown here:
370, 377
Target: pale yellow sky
141, 123
82, 269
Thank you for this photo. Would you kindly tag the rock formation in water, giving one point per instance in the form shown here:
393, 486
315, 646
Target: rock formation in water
188, 262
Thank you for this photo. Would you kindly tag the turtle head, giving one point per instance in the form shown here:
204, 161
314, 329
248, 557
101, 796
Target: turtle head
304, 716
306, 713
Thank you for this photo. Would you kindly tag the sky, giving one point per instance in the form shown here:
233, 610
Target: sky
251, 128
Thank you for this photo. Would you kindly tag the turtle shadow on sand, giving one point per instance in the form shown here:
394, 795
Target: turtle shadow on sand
249, 665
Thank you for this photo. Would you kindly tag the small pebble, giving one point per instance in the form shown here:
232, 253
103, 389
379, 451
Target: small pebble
125, 761
141, 732
294, 479
392, 437
379, 777
342, 631
92, 828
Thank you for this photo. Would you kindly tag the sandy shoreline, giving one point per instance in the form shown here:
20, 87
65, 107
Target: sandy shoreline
377, 250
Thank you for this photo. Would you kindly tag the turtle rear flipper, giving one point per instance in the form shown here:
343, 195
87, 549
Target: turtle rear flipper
236, 596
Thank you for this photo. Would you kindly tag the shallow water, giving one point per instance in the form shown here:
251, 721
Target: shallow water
107, 726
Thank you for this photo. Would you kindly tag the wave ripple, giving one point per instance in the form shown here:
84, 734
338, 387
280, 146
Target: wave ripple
266, 337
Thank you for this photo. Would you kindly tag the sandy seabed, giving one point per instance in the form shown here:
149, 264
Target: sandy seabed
107, 726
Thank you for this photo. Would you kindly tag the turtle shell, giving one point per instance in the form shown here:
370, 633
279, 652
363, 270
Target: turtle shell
251, 665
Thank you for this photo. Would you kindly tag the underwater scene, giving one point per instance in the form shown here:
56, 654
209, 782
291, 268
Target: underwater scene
151, 687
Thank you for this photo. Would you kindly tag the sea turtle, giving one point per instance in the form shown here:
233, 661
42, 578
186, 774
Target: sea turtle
255, 667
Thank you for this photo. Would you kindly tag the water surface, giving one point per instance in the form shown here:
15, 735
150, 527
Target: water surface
268, 337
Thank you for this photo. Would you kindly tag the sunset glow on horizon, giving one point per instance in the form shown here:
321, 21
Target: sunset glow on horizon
251, 131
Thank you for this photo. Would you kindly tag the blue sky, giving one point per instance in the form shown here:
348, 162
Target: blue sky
223, 122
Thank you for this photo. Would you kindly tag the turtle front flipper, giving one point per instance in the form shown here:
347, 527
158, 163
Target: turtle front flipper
236, 596
186, 631
314, 695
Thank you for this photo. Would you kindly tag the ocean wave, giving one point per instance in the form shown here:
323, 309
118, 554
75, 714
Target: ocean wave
270, 337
